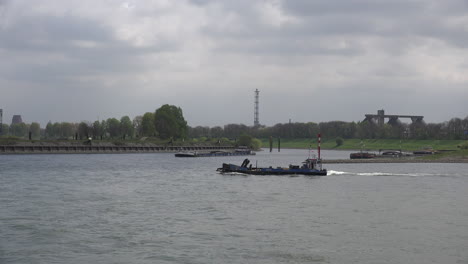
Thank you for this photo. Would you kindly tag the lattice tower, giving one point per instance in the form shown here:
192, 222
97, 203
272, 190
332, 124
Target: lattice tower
256, 120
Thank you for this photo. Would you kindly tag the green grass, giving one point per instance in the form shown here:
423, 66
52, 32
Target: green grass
373, 144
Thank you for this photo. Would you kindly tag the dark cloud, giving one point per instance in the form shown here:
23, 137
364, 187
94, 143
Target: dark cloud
402, 18
112, 59
390, 20
48, 33
56, 49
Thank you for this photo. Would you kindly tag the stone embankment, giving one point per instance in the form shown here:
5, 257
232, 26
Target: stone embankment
105, 149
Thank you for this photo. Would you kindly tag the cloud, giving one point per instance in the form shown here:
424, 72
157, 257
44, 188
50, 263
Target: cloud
129, 57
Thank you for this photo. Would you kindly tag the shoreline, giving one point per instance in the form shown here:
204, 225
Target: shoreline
101, 149
34, 149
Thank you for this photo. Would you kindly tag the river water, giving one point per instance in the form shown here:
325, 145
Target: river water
155, 208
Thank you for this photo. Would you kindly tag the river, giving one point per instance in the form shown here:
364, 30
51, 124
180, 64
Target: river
155, 208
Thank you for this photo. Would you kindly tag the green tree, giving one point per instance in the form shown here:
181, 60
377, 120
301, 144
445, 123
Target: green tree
98, 129
126, 127
366, 129
339, 141
35, 130
104, 128
249, 141
5, 130
57, 130
147, 125
418, 130
113, 127
169, 122
256, 144
216, 132
67, 130
235, 130
84, 130
455, 128
137, 125
19, 130
49, 130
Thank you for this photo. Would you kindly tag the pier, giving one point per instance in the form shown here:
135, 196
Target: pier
90, 149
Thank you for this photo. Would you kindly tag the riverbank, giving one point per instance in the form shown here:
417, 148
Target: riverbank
103, 147
368, 144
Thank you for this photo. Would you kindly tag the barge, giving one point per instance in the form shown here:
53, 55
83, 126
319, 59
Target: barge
362, 155
311, 166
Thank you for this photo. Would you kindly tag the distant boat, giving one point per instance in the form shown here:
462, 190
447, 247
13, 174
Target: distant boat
362, 155
187, 154
425, 151
216, 153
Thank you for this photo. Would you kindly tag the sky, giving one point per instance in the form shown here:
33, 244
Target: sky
312, 61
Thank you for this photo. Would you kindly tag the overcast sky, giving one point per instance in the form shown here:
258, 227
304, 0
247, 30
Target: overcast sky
311, 60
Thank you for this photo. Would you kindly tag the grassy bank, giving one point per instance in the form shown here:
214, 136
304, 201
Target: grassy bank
371, 144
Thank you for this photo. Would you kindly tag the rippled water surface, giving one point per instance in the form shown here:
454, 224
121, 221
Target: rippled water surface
154, 208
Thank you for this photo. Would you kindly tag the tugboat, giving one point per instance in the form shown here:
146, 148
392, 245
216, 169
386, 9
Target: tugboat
311, 166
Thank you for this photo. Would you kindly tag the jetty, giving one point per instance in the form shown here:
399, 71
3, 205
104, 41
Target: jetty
103, 149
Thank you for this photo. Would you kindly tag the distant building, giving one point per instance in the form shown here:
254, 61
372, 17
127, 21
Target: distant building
393, 119
16, 119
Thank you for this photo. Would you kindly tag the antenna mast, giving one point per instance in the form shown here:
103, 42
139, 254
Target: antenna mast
256, 121
1, 121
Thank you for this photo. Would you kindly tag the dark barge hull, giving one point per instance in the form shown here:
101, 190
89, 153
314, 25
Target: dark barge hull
229, 168
363, 155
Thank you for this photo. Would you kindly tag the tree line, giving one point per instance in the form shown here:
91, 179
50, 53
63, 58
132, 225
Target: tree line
455, 129
168, 122
165, 123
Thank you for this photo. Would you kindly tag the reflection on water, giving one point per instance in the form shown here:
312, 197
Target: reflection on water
154, 208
